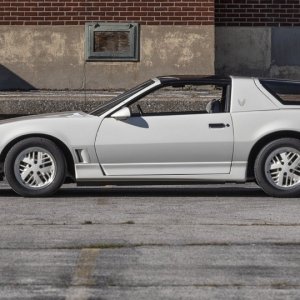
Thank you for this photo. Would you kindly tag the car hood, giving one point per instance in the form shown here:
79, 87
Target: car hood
68, 114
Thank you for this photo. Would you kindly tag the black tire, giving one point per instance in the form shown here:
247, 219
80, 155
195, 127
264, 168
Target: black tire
51, 156
274, 169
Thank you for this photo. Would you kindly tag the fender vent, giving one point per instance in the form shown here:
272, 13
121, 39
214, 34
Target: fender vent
82, 156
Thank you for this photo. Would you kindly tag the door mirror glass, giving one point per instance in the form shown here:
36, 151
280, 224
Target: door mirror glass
123, 113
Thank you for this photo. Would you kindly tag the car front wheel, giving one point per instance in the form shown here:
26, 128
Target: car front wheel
277, 168
35, 167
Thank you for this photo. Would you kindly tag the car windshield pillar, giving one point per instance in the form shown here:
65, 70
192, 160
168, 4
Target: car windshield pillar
117, 100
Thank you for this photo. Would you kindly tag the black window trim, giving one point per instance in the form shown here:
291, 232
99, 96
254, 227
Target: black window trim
274, 94
179, 83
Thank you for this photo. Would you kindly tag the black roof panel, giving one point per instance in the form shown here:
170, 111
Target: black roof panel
194, 79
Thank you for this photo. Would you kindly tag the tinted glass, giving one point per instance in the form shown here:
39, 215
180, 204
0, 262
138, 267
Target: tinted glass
286, 91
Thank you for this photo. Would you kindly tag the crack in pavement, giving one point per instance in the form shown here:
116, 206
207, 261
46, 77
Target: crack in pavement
151, 224
145, 245
217, 285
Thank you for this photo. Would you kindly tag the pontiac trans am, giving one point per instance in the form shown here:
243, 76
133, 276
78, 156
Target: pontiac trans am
249, 132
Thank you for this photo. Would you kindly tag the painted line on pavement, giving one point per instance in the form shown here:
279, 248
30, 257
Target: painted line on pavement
82, 277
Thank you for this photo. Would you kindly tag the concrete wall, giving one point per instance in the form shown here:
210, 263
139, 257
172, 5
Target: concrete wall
258, 51
45, 57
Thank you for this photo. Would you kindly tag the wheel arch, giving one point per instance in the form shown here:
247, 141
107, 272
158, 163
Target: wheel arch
263, 142
66, 151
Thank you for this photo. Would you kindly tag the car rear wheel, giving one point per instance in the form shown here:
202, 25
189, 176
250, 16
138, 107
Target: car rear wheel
277, 168
35, 167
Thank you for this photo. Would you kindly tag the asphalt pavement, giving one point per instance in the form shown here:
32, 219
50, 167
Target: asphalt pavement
181, 242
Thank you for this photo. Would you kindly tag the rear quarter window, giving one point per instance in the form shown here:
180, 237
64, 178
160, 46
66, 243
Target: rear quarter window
287, 92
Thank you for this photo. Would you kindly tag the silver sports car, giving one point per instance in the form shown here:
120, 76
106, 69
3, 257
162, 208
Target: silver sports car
224, 129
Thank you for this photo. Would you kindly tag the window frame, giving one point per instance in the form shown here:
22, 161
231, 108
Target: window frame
265, 82
133, 55
227, 97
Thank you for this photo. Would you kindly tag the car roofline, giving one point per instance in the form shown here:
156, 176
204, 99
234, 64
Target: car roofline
193, 79
268, 79
275, 80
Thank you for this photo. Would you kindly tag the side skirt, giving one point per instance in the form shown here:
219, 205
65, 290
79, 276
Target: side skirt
91, 174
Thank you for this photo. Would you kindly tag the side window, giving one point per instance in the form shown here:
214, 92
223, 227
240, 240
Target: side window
287, 92
188, 99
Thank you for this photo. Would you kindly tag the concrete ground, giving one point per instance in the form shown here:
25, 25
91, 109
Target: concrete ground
191, 242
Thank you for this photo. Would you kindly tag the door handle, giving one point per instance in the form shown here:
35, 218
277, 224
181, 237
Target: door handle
218, 125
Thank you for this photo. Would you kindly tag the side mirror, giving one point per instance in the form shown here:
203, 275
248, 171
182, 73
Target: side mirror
122, 114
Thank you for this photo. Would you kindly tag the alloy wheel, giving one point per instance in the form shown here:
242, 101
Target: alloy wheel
35, 168
282, 168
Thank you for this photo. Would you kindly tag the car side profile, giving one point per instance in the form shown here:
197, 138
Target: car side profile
249, 130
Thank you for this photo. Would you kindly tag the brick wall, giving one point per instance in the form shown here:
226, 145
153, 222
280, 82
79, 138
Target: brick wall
77, 12
257, 13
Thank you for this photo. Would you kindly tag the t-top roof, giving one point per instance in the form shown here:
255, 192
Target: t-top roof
194, 79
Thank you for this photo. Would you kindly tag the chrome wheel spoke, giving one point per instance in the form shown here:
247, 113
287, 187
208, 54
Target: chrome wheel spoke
46, 170
275, 166
28, 178
27, 160
37, 179
295, 165
40, 156
25, 173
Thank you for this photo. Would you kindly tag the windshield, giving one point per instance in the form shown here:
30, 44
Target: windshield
117, 100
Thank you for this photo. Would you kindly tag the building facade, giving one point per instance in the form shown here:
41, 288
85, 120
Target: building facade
44, 43
58, 44
258, 37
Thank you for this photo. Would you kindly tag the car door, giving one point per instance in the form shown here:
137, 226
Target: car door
170, 131
181, 144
